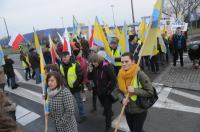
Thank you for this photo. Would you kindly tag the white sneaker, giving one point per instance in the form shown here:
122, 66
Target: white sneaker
84, 99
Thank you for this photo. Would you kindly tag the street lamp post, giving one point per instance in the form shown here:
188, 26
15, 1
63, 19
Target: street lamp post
112, 6
5, 26
132, 14
62, 21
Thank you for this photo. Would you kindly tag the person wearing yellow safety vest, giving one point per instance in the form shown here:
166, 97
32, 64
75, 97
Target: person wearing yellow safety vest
25, 64
116, 53
155, 58
141, 86
73, 75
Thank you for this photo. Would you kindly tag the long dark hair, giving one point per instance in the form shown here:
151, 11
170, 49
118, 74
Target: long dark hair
58, 78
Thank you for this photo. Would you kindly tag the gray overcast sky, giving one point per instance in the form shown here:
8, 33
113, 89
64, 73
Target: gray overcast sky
22, 15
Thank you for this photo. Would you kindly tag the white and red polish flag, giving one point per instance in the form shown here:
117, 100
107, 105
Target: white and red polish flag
90, 34
65, 41
66, 44
15, 40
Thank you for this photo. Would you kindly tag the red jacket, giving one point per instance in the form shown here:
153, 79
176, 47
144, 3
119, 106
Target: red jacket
84, 66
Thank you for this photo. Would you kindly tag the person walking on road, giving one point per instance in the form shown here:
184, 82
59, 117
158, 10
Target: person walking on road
116, 54
179, 46
104, 79
35, 64
73, 75
61, 106
141, 86
9, 71
25, 64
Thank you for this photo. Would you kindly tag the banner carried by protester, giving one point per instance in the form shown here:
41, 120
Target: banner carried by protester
99, 39
43, 80
37, 44
54, 55
180, 24
150, 41
123, 42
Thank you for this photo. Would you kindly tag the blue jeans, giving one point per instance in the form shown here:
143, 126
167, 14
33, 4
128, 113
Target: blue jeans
13, 83
37, 74
79, 102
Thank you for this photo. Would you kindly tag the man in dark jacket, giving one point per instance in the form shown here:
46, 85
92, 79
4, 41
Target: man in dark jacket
35, 64
134, 46
85, 48
47, 55
9, 71
104, 79
179, 45
73, 75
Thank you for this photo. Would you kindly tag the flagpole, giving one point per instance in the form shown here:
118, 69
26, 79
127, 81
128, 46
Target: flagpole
5, 25
137, 66
133, 14
112, 6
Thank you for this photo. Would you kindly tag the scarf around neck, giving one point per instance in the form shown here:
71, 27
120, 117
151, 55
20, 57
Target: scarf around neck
125, 77
54, 92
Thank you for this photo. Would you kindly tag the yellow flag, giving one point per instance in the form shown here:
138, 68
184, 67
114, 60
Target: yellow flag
108, 32
142, 30
123, 41
151, 39
37, 44
99, 37
118, 34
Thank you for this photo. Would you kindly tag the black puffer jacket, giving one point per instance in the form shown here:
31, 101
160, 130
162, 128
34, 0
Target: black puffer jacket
8, 68
104, 78
34, 60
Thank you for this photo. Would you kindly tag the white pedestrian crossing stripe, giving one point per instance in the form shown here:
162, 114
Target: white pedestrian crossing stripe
18, 75
25, 116
34, 96
165, 103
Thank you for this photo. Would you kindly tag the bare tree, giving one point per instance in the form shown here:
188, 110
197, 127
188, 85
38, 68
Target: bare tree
180, 8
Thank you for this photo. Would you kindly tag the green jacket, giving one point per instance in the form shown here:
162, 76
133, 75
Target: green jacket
145, 91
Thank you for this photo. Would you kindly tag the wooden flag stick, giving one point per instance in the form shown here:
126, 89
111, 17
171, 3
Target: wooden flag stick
46, 122
140, 57
126, 99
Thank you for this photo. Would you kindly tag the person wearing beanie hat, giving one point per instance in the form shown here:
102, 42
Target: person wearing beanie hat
104, 78
73, 75
116, 54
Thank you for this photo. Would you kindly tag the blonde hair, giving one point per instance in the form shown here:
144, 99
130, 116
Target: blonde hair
95, 58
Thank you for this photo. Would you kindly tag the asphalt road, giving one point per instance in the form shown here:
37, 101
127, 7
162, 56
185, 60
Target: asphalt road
177, 110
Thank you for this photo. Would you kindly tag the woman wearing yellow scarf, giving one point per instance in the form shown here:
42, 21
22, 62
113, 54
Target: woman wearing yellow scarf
141, 86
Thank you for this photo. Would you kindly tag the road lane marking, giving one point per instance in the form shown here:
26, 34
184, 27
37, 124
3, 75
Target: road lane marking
164, 94
187, 95
34, 96
31, 82
19, 76
25, 116
165, 103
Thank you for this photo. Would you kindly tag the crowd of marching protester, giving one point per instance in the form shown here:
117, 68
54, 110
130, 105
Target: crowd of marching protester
88, 68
